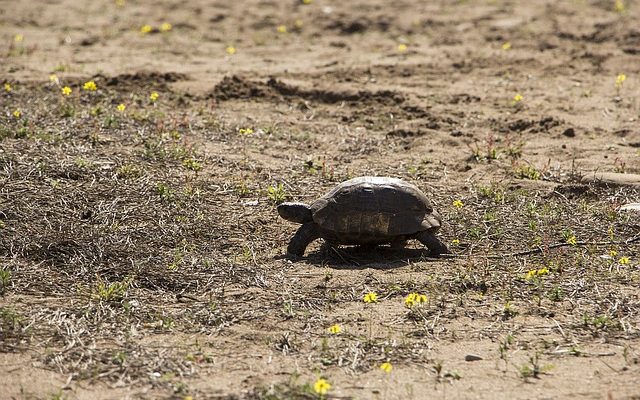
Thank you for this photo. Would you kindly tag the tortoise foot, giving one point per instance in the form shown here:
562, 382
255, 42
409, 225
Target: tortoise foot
435, 246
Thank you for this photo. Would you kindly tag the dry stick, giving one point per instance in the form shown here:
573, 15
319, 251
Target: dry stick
605, 363
541, 250
343, 259
560, 328
633, 239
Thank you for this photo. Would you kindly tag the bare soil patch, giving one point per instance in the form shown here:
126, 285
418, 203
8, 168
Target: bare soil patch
141, 255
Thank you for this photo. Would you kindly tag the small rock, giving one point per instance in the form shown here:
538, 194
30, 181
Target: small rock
89, 41
472, 357
569, 132
631, 207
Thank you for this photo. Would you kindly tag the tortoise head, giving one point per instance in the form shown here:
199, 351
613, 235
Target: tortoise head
295, 212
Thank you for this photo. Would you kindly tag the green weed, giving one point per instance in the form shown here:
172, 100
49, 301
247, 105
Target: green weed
5, 279
111, 292
526, 171
277, 194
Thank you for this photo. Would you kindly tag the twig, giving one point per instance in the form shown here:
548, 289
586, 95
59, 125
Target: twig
633, 239
541, 250
342, 258
559, 328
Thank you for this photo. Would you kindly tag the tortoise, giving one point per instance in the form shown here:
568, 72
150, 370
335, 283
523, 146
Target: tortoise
366, 211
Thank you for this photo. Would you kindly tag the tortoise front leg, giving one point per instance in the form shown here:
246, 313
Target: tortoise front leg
306, 234
434, 245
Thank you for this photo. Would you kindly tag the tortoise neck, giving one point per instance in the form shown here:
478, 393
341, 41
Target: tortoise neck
295, 212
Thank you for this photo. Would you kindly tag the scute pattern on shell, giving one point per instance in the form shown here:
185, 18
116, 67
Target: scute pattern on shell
374, 209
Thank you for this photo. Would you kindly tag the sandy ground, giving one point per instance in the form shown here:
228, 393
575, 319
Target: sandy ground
505, 105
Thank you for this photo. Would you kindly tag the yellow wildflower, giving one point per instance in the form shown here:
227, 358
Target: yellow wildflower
370, 297
7, 87
409, 301
613, 253
146, 29
90, 86
458, 203
166, 27
572, 240
17, 113
19, 37
66, 90
121, 107
506, 45
386, 367
619, 80
517, 98
53, 78
231, 50
455, 242
120, 3
154, 96
619, 6
335, 329
534, 273
414, 298
321, 386
624, 260
281, 29
402, 47
246, 131
306, 1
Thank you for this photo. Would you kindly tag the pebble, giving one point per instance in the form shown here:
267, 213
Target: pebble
631, 207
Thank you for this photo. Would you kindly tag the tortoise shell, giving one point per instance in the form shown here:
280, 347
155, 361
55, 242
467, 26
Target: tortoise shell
373, 209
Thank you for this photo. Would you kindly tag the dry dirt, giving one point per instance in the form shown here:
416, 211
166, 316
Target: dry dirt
141, 255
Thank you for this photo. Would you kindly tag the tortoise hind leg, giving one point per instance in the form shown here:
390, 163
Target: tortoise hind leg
306, 234
434, 245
